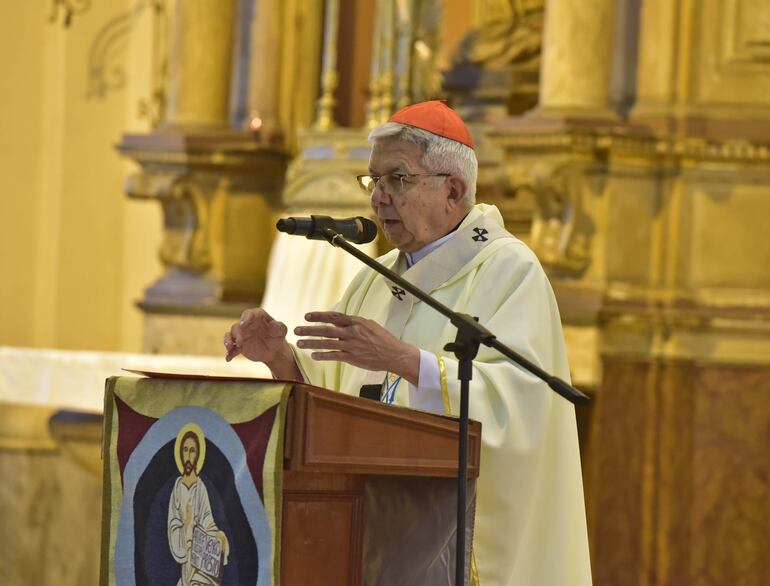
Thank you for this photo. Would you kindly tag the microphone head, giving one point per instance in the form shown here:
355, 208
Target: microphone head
288, 225
367, 230
358, 230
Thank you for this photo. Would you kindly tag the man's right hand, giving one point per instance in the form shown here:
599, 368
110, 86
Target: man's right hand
260, 338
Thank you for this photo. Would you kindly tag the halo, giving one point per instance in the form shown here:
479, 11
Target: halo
195, 428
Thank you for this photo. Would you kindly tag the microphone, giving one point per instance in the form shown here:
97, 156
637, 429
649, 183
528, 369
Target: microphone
358, 230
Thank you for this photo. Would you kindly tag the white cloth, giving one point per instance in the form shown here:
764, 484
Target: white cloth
530, 520
74, 379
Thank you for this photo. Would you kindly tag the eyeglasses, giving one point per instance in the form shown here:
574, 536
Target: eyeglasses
393, 182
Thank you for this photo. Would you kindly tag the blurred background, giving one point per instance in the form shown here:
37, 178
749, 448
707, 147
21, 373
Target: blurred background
148, 146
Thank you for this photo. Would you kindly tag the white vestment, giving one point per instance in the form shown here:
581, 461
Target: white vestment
530, 525
180, 535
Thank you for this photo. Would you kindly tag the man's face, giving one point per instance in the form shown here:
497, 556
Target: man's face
189, 456
425, 211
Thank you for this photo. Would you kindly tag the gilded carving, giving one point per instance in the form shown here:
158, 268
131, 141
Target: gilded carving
504, 42
561, 230
498, 62
185, 206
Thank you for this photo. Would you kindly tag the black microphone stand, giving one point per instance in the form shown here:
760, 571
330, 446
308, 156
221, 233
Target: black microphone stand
470, 335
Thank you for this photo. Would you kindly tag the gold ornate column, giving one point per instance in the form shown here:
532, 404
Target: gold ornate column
200, 63
265, 70
577, 58
283, 69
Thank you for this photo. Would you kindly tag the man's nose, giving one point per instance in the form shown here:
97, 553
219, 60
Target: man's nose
380, 197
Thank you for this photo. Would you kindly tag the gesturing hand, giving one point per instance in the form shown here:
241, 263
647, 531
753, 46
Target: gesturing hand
361, 342
261, 338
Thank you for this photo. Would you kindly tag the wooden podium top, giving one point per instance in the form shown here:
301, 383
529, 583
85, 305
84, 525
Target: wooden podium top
327, 431
332, 432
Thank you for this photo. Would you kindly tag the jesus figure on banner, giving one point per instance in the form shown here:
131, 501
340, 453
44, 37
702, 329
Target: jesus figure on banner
189, 509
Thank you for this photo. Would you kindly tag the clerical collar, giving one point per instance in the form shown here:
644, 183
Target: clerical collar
413, 257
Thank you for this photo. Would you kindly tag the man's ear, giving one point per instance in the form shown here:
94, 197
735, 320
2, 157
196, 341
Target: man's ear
457, 190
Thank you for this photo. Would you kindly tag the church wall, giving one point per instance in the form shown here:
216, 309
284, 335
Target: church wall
75, 252
21, 136
85, 193
142, 223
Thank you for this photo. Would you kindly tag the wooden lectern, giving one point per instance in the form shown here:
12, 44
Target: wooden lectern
347, 464
369, 491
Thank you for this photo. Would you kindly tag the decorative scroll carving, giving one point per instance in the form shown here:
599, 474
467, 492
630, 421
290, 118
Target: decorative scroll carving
185, 206
561, 230
106, 59
106, 68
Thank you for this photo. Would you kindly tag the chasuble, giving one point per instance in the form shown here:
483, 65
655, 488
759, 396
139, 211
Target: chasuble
530, 525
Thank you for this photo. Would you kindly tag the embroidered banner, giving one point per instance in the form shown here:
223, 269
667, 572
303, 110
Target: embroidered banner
192, 482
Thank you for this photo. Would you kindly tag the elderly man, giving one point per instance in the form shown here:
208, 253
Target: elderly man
530, 520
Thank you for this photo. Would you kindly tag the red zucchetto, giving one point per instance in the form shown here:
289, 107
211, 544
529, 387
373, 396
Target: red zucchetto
437, 118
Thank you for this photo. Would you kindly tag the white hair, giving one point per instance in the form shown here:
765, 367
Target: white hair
440, 155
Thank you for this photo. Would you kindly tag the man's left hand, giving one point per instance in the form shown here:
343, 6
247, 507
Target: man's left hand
361, 342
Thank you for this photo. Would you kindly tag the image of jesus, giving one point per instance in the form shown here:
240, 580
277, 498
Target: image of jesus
190, 520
